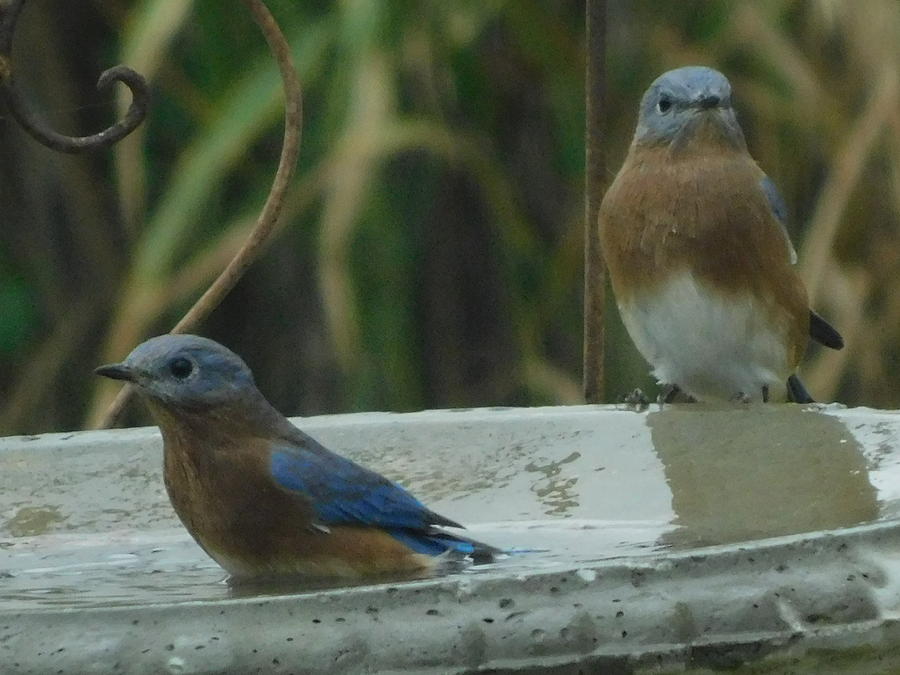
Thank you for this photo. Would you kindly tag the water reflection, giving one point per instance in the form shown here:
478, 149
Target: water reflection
298, 585
746, 473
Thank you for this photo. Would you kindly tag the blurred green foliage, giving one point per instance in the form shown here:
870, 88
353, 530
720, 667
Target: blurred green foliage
431, 251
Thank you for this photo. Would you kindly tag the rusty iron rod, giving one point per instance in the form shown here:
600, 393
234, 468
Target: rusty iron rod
265, 228
32, 123
595, 183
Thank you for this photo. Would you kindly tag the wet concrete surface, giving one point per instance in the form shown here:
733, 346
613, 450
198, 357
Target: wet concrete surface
85, 522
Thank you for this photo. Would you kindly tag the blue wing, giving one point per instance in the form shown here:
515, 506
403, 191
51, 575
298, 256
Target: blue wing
779, 208
819, 329
342, 492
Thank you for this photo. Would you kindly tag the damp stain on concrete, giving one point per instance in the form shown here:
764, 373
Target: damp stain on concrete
30, 521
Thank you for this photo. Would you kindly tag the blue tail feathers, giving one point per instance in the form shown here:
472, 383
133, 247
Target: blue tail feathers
437, 542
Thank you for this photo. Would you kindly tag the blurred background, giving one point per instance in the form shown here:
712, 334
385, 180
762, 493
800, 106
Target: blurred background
431, 248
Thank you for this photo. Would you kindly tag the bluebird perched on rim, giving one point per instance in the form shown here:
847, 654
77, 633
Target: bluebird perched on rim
260, 496
700, 261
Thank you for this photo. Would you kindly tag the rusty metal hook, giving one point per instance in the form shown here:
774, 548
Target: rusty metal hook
20, 110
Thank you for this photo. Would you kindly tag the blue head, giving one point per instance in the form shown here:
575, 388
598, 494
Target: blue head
186, 372
684, 102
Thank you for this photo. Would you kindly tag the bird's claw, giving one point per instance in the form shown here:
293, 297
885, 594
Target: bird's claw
637, 400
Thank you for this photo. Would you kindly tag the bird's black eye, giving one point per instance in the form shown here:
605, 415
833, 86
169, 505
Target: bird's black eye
181, 367
664, 104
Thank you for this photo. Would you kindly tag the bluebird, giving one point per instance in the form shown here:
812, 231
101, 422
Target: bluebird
261, 497
693, 233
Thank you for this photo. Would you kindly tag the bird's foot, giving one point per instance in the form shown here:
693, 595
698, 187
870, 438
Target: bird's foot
672, 393
797, 392
636, 400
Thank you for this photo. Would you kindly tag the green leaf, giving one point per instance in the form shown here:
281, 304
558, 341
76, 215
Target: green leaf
243, 113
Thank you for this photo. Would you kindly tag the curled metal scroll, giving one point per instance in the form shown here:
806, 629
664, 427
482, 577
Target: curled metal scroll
37, 128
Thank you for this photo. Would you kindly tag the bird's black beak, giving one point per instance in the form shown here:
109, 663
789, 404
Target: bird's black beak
708, 102
116, 371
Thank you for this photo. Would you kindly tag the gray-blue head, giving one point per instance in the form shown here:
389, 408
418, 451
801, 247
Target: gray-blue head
683, 101
185, 372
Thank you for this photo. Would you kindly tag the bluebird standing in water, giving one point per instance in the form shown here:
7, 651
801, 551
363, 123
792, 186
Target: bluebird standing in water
260, 496
700, 261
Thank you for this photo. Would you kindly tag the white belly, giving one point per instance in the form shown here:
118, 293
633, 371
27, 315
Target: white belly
713, 346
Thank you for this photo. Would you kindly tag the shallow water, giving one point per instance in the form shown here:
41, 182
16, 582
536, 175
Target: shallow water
85, 522
122, 568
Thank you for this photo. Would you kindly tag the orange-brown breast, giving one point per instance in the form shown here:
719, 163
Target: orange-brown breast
703, 213
222, 491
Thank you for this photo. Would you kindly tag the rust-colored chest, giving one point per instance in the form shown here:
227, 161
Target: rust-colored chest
222, 492
219, 479
706, 214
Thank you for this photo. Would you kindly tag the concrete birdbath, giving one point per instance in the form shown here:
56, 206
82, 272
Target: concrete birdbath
690, 538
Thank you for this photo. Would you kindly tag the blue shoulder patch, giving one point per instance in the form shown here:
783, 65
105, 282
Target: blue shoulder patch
342, 492
779, 209
776, 201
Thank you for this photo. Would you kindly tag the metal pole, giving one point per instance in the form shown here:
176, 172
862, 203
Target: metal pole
595, 182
